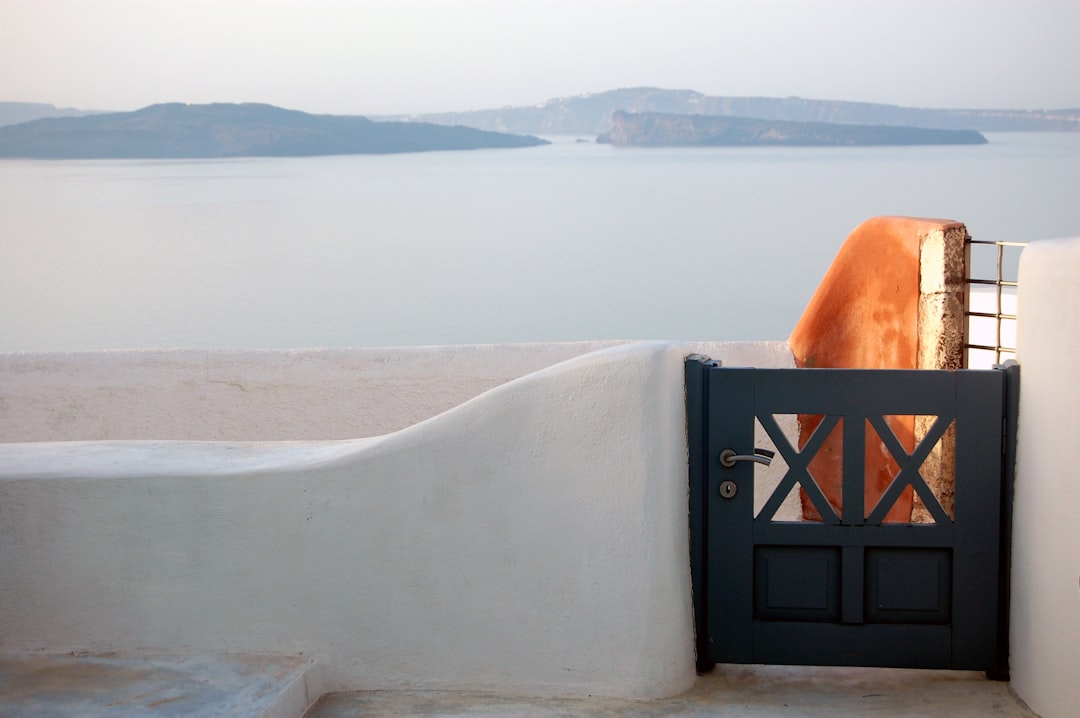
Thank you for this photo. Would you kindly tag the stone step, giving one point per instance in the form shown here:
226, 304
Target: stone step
37, 685
728, 692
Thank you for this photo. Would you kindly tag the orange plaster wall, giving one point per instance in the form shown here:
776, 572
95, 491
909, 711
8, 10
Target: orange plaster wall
864, 315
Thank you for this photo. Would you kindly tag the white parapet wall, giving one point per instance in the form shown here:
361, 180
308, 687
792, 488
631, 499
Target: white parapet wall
532, 540
1045, 615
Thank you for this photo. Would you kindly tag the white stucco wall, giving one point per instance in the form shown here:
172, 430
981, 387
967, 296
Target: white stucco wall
532, 540
1045, 615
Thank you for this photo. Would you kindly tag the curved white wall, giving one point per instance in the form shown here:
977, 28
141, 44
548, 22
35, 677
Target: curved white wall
531, 540
1045, 616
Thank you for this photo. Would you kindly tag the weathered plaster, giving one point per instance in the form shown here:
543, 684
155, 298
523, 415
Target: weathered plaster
943, 261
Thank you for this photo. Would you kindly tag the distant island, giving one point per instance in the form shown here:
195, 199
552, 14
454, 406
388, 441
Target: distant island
37, 130
590, 114
177, 130
656, 129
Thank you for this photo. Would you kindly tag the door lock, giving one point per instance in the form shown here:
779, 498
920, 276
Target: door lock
728, 489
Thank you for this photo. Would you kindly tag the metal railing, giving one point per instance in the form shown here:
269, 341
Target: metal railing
977, 339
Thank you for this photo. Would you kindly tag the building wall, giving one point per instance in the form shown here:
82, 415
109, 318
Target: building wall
1045, 615
532, 540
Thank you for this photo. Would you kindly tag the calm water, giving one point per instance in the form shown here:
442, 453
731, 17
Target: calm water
564, 242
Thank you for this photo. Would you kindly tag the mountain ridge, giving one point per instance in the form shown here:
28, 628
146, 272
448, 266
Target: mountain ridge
590, 113
13, 113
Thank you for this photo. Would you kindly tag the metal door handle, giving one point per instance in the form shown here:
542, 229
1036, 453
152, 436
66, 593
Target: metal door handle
728, 457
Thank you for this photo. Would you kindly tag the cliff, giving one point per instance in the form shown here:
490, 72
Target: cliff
230, 130
654, 129
590, 114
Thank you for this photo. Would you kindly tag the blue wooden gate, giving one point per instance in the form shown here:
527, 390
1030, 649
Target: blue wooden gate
849, 589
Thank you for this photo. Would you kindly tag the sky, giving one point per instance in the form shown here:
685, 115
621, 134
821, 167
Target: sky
413, 56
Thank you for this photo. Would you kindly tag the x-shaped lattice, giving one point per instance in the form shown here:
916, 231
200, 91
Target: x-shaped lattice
797, 468
799, 461
909, 474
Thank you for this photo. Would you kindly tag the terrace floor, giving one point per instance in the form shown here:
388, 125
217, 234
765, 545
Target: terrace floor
730, 692
58, 686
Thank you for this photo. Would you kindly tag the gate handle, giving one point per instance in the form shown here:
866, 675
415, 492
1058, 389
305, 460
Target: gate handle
762, 456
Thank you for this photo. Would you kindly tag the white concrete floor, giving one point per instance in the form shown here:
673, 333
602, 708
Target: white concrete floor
94, 686
728, 691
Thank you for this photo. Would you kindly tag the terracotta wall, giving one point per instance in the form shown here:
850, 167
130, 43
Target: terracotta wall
892, 299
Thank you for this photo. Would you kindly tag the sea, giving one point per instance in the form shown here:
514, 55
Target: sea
568, 241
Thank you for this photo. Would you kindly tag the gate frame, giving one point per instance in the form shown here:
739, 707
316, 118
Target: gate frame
697, 397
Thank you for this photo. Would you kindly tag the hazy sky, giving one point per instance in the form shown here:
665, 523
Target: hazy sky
391, 56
